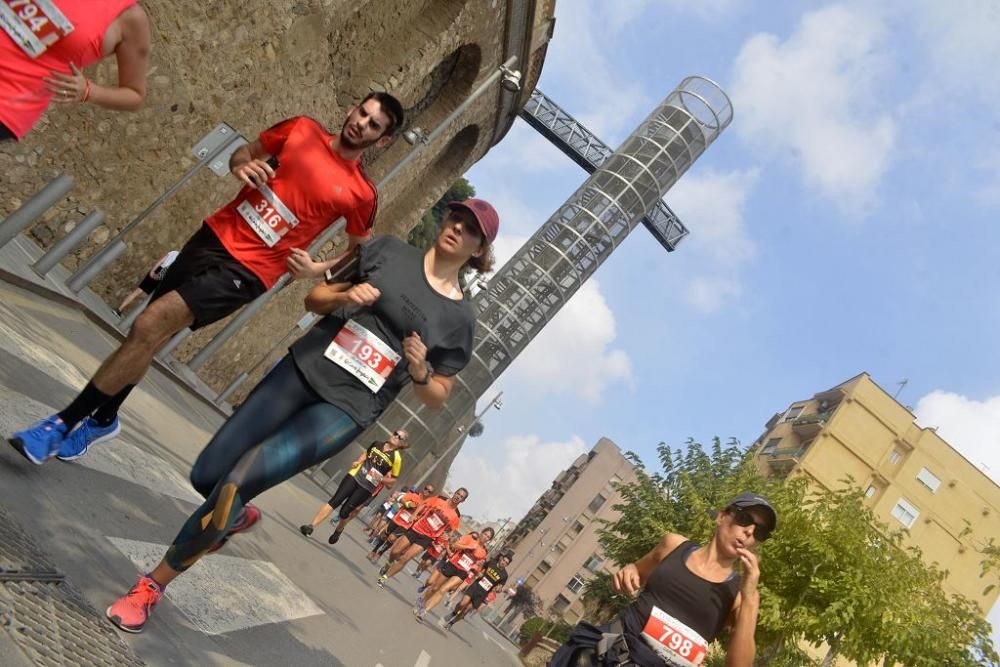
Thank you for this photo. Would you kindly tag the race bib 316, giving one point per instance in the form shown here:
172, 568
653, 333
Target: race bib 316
267, 215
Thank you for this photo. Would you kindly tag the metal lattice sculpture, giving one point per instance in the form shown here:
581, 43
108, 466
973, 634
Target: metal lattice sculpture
552, 265
584, 147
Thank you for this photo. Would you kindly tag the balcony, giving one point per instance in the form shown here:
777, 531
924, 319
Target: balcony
781, 461
808, 426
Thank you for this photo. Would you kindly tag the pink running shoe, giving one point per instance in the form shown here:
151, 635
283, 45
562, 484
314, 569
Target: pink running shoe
248, 517
131, 611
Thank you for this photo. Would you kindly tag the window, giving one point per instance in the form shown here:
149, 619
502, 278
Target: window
770, 446
793, 412
558, 548
871, 491
928, 479
560, 604
895, 456
544, 567
594, 563
905, 512
596, 503
577, 527
575, 584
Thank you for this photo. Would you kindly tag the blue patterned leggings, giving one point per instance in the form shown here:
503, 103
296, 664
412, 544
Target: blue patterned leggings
282, 428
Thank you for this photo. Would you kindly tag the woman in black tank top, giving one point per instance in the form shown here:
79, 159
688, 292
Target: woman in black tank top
687, 594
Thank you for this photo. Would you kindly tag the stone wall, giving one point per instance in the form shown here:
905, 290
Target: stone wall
252, 63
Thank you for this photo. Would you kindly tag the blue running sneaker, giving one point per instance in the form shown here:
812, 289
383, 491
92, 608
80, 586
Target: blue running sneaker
41, 440
88, 433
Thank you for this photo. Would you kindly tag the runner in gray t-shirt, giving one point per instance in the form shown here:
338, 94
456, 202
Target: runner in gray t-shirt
403, 320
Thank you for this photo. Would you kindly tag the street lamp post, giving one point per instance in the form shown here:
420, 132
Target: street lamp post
495, 403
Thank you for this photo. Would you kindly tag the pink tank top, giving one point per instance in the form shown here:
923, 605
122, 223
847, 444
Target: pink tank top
23, 97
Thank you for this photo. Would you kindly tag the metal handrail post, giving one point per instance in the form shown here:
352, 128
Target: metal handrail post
34, 208
57, 252
115, 246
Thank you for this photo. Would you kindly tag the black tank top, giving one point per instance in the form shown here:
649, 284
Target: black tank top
700, 604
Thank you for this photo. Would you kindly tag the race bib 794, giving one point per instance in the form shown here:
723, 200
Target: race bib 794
673, 640
34, 25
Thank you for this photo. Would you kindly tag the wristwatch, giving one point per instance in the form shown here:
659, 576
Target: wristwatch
427, 378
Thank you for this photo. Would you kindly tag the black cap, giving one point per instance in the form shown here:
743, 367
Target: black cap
751, 499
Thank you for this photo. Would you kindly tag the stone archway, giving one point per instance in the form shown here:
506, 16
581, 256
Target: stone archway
405, 209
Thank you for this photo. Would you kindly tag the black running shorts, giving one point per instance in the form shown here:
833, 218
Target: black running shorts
395, 529
449, 571
212, 282
475, 598
147, 284
417, 538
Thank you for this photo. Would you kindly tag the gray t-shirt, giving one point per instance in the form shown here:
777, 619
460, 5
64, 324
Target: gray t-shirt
407, 303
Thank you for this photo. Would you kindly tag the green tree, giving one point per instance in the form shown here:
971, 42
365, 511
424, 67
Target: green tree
424, 233
832, 574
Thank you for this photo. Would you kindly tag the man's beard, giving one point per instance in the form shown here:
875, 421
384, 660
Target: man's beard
350, 144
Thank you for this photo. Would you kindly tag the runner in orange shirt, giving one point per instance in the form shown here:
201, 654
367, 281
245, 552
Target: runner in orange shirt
298, 180
468, 553
402, 521
435, 518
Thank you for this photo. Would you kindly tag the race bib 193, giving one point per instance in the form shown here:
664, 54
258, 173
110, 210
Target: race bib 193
34, 25
362, 354
673, 640
267, 215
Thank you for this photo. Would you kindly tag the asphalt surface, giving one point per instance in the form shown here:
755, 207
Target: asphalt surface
270, 597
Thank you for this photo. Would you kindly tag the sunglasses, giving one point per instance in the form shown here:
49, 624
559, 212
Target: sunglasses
743, 518
399, 436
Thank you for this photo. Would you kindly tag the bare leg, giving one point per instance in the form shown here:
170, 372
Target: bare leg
126, 365
321, 515
439, 592
132, 296
405, 557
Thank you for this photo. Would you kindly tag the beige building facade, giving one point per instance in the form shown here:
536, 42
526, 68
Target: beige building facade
252, 63
913, 478
556, 545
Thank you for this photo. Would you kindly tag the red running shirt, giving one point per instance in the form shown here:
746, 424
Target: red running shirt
311, 188
23, 97
466, 559
404, 517
441, 517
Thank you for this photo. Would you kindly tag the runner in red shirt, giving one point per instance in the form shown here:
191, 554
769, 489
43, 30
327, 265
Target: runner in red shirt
435, 518
468, 554
430, 557
45, 45
298, 179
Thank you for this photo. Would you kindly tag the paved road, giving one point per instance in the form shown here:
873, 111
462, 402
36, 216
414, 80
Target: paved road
270, 597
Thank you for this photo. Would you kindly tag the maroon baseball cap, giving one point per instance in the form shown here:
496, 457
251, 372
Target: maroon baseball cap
484, 213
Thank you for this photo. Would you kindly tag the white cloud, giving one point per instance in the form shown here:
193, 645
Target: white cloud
989, 165
573, 352
970, 426
960, 37
816, 95
711, 204
506, 480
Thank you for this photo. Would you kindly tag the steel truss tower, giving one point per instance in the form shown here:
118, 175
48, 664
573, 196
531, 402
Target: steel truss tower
584, 147
528, 291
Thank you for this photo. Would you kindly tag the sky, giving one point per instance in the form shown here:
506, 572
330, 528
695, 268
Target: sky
844, 222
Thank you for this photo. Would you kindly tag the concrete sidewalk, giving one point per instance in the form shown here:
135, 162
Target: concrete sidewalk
271, 597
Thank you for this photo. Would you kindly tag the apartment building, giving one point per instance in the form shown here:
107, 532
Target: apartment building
913, 478
555, 545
